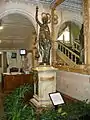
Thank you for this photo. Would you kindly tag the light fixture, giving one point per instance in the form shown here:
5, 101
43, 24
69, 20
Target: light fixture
0, 52
0, 41
1, 27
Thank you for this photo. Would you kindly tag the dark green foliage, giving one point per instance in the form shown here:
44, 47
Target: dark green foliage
71, 111
17, 109
48, 114
76, 110
14, 107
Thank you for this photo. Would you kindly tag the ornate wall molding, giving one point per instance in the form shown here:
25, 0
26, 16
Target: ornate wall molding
22, 1
24, 7
10, 7
77, 18
86, 28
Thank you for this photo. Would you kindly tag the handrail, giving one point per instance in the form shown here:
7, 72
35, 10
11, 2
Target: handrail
69, 49
77, 46
72, 56
77, 43
66, 59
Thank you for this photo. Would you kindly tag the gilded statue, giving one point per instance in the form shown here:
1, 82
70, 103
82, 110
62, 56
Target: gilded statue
44, 38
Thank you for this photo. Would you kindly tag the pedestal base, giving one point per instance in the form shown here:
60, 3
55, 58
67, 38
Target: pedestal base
40, 103
44, 83
34, 102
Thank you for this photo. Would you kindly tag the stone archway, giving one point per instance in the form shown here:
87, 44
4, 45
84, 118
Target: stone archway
75, 28
26, 8
20, 11
18, 8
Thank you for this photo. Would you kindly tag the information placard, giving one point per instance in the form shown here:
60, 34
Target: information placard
56, 98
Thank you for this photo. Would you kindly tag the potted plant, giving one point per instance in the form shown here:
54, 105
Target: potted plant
69, 111
14, 106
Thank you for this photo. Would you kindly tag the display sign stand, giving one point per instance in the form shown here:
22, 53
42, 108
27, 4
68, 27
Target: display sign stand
56, 99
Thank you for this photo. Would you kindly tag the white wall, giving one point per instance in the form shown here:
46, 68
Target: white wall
65, 15
16, 62
74, 84
19, 61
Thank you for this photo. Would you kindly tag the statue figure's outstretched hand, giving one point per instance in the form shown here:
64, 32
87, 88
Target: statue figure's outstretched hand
36, 7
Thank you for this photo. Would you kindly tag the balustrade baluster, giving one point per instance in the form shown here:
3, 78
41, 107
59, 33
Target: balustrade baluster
76, 46
65, 51
60, 46
75, 59
71, 56
68, 53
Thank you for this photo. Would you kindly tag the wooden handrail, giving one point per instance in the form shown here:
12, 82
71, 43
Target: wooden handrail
77, 43
77, 46
69, 49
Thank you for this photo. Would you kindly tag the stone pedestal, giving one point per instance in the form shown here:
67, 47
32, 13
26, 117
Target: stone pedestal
44, 83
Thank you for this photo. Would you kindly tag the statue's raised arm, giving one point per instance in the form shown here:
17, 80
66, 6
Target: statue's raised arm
37, 16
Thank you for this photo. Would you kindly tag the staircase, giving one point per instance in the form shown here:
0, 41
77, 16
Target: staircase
70, 56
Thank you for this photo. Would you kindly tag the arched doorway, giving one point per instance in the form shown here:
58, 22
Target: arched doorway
17, 33
69, 44
68, 32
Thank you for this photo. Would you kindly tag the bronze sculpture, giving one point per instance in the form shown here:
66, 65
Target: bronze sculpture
44, 38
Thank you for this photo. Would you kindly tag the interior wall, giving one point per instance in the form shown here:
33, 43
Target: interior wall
13, 62
19, 62
65, 16
74, 85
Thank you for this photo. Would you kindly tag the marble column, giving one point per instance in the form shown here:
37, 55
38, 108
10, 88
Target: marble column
53, 36
86, 16
34, 47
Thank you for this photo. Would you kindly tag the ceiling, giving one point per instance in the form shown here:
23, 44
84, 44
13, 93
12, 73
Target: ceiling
17, 32
72, 5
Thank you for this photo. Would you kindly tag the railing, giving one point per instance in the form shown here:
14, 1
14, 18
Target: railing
69, 53
77, 46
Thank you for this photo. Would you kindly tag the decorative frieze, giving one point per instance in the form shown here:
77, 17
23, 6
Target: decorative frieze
33, 2
51, 78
